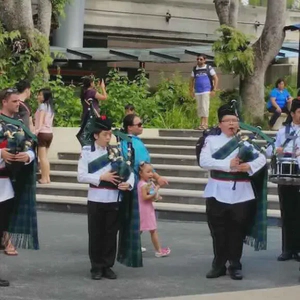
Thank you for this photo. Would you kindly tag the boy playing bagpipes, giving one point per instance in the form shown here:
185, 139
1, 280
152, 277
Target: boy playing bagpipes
107, 174
236, 203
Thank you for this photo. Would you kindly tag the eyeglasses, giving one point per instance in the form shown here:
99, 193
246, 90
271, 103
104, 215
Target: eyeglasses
138, 125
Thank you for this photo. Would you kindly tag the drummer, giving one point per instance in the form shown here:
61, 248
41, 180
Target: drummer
289, 195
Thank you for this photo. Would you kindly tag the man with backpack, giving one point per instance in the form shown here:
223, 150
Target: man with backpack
203, 84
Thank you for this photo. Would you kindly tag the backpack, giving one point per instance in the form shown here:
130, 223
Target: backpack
201, 141
208, 68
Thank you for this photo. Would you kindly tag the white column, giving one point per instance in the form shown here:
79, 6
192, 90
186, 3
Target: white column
70, 32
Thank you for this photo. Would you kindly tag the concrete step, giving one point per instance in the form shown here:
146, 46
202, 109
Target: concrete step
177, 141
169, 211
182, 183
165, 149
162, 159
181, 196
156, 159
196, 133
163, 170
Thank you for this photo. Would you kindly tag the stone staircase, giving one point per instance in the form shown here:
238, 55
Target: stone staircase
172, 155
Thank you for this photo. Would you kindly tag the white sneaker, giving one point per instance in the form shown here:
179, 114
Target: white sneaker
143, 249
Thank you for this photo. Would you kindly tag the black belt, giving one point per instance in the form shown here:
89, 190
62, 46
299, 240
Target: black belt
4, 172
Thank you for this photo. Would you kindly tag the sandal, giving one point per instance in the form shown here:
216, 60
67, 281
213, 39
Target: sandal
42, 182
201, 127
10, 249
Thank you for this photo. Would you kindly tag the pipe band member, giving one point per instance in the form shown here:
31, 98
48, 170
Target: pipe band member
95, 168
288, 143
231, 203
17, 177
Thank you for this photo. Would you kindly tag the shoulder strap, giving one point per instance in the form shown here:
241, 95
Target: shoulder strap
208, 68
25, 106
194, 70
98, 163
20, 124
226, 150
288, 136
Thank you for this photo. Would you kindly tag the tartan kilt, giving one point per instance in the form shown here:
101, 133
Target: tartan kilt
129, 246
23, 229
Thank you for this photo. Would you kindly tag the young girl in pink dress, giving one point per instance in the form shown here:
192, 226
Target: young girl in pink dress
147, 193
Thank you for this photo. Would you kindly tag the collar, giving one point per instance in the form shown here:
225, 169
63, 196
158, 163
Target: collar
11, 117
99, 148
295, 125
223, 135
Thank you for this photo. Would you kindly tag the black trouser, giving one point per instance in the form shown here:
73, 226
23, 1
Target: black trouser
229, 224
289, 199
6, 209
276, 114
103, 228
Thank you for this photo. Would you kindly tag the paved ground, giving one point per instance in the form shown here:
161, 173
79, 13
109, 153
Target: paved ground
60, 270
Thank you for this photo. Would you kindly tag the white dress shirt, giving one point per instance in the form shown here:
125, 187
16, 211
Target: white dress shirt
281, 137
6, 189
95, 194
223, 190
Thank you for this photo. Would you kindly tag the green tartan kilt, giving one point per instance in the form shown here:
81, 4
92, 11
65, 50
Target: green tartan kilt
129, 248
23, 229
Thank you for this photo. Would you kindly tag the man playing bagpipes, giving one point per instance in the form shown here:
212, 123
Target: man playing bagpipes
107, 174
236, 191
17, 177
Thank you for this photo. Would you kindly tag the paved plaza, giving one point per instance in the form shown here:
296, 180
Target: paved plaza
60, 270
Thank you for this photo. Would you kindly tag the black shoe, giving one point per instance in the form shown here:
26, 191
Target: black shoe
215, 273
285, 256
3, 283
296, 256
109, 273
235, 274
96, 275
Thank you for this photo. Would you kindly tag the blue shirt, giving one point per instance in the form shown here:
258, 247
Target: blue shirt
280, 96
202, 82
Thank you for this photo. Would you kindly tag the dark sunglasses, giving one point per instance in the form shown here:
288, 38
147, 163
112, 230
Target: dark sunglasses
138, 125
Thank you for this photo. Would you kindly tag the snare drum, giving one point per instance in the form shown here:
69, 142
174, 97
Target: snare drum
284, 171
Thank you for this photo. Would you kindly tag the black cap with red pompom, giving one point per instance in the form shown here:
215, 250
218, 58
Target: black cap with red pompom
101, 123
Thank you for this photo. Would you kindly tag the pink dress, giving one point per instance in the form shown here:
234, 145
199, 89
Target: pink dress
147, 212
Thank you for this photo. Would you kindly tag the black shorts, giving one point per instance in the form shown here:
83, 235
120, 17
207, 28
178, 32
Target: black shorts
45, 139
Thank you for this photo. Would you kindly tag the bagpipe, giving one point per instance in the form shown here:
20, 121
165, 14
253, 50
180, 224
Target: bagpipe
16, 139
248, 142
120, 162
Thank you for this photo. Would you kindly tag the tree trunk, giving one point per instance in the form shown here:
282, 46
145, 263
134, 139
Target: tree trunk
8, 14
265, 49
233, 13
44, 16
252, 94
222, 9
